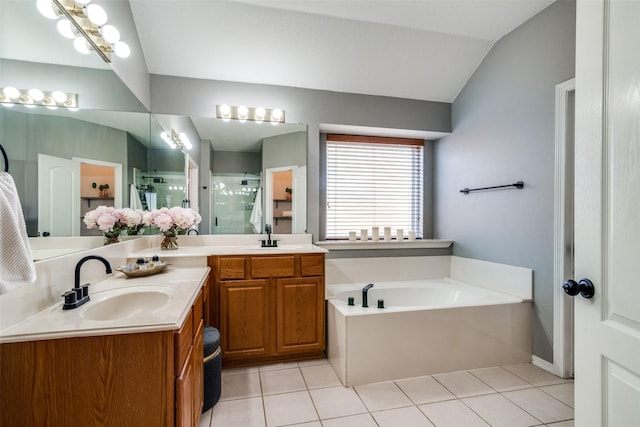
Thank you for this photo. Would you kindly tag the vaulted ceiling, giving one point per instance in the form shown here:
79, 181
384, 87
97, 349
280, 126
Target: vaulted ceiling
418, 49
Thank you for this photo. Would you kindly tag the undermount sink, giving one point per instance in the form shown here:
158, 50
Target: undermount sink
125, 303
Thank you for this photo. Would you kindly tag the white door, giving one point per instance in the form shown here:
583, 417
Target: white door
58, 196
607, 206
299, 187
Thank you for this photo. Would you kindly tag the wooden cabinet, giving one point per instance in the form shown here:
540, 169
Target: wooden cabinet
140, 379
268, 307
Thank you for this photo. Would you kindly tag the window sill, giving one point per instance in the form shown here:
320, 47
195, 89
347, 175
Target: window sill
340, 245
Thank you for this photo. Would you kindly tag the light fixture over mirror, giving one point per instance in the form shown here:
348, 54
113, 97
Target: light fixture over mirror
10, 95
86, 24
244, 113
175, 140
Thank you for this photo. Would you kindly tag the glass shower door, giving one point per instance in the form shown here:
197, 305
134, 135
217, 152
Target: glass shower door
233, 199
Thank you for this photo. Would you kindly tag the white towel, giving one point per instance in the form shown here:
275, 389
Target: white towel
16, 265
256, 213
134, 198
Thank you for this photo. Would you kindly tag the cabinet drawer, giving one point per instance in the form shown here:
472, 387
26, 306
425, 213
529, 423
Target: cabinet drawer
312, 265
231, 268
264, 267
182, 342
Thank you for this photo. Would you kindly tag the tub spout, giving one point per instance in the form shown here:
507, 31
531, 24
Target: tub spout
365, 290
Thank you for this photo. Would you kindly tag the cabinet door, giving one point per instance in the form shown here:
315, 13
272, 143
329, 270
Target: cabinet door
244, 318
184, 394
198, 372
300, 314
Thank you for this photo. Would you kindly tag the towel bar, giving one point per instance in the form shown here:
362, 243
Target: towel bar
6, 159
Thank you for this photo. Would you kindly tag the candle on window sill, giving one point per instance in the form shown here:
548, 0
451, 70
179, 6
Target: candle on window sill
364, 235
387, 234
375, 234
399, 234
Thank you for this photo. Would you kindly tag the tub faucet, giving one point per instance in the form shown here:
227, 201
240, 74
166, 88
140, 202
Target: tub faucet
365, 290
80, 294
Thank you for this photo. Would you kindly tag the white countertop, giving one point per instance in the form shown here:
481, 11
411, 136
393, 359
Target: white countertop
180, 284
206, 250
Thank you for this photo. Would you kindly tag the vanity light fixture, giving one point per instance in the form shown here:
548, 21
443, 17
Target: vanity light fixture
175, 140
86, 24
34, 97
243, 113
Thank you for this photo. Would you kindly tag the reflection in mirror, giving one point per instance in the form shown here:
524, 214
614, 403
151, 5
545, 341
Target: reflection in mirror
244, 157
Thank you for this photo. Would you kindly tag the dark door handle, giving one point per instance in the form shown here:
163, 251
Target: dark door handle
584, 287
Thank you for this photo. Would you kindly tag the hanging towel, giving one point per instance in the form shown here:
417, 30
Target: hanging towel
256, 213
16, 264
134, 198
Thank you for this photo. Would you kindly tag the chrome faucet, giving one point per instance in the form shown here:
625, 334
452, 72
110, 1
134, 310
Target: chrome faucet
80, 294
365, 290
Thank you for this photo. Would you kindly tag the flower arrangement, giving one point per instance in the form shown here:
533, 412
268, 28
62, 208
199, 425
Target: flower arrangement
112, 221
171, 221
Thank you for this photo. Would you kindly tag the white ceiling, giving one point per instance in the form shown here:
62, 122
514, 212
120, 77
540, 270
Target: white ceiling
418, 49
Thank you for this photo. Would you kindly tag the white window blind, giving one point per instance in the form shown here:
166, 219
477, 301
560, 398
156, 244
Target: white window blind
373, 184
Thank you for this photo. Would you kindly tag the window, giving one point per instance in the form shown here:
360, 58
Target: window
373, 182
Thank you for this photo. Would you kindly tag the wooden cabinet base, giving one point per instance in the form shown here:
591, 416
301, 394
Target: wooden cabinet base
118, 380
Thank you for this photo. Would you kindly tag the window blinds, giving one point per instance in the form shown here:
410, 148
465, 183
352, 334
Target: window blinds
373, 184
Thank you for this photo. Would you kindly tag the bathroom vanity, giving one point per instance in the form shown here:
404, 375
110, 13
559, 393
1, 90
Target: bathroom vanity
63, 368
268, 307
133, 354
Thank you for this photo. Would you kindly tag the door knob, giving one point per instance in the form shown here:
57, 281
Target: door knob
584, 287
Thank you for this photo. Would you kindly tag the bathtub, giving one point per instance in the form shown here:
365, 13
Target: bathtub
426, 327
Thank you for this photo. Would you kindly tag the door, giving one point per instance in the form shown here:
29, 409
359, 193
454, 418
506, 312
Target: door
299, 220
607, 205
58, 196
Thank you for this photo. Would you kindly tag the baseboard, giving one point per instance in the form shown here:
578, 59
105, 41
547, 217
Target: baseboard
543, 364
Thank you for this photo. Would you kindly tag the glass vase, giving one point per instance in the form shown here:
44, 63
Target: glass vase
169, 241
111, 237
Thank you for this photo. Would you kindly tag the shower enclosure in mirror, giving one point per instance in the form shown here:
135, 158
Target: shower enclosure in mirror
236, 204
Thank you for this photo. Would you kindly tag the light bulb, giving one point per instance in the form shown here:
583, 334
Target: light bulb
96, 14
36, 94
11, 92
110, 33
47, 9
276, 115
243, 111
81, 45
122, 49
59, 96
225, 111
65, 27
260, 112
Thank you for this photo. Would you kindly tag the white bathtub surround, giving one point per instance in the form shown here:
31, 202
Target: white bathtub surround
464, 326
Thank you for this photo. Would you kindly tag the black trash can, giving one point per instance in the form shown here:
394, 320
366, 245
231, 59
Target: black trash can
212, 367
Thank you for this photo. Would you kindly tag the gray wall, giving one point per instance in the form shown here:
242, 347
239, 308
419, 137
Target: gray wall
284, 150
183, 96
503, 131
235, 162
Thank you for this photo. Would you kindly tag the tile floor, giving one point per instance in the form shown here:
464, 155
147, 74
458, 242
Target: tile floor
309, 394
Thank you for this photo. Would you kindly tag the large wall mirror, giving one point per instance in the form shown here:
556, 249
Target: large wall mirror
113, 140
